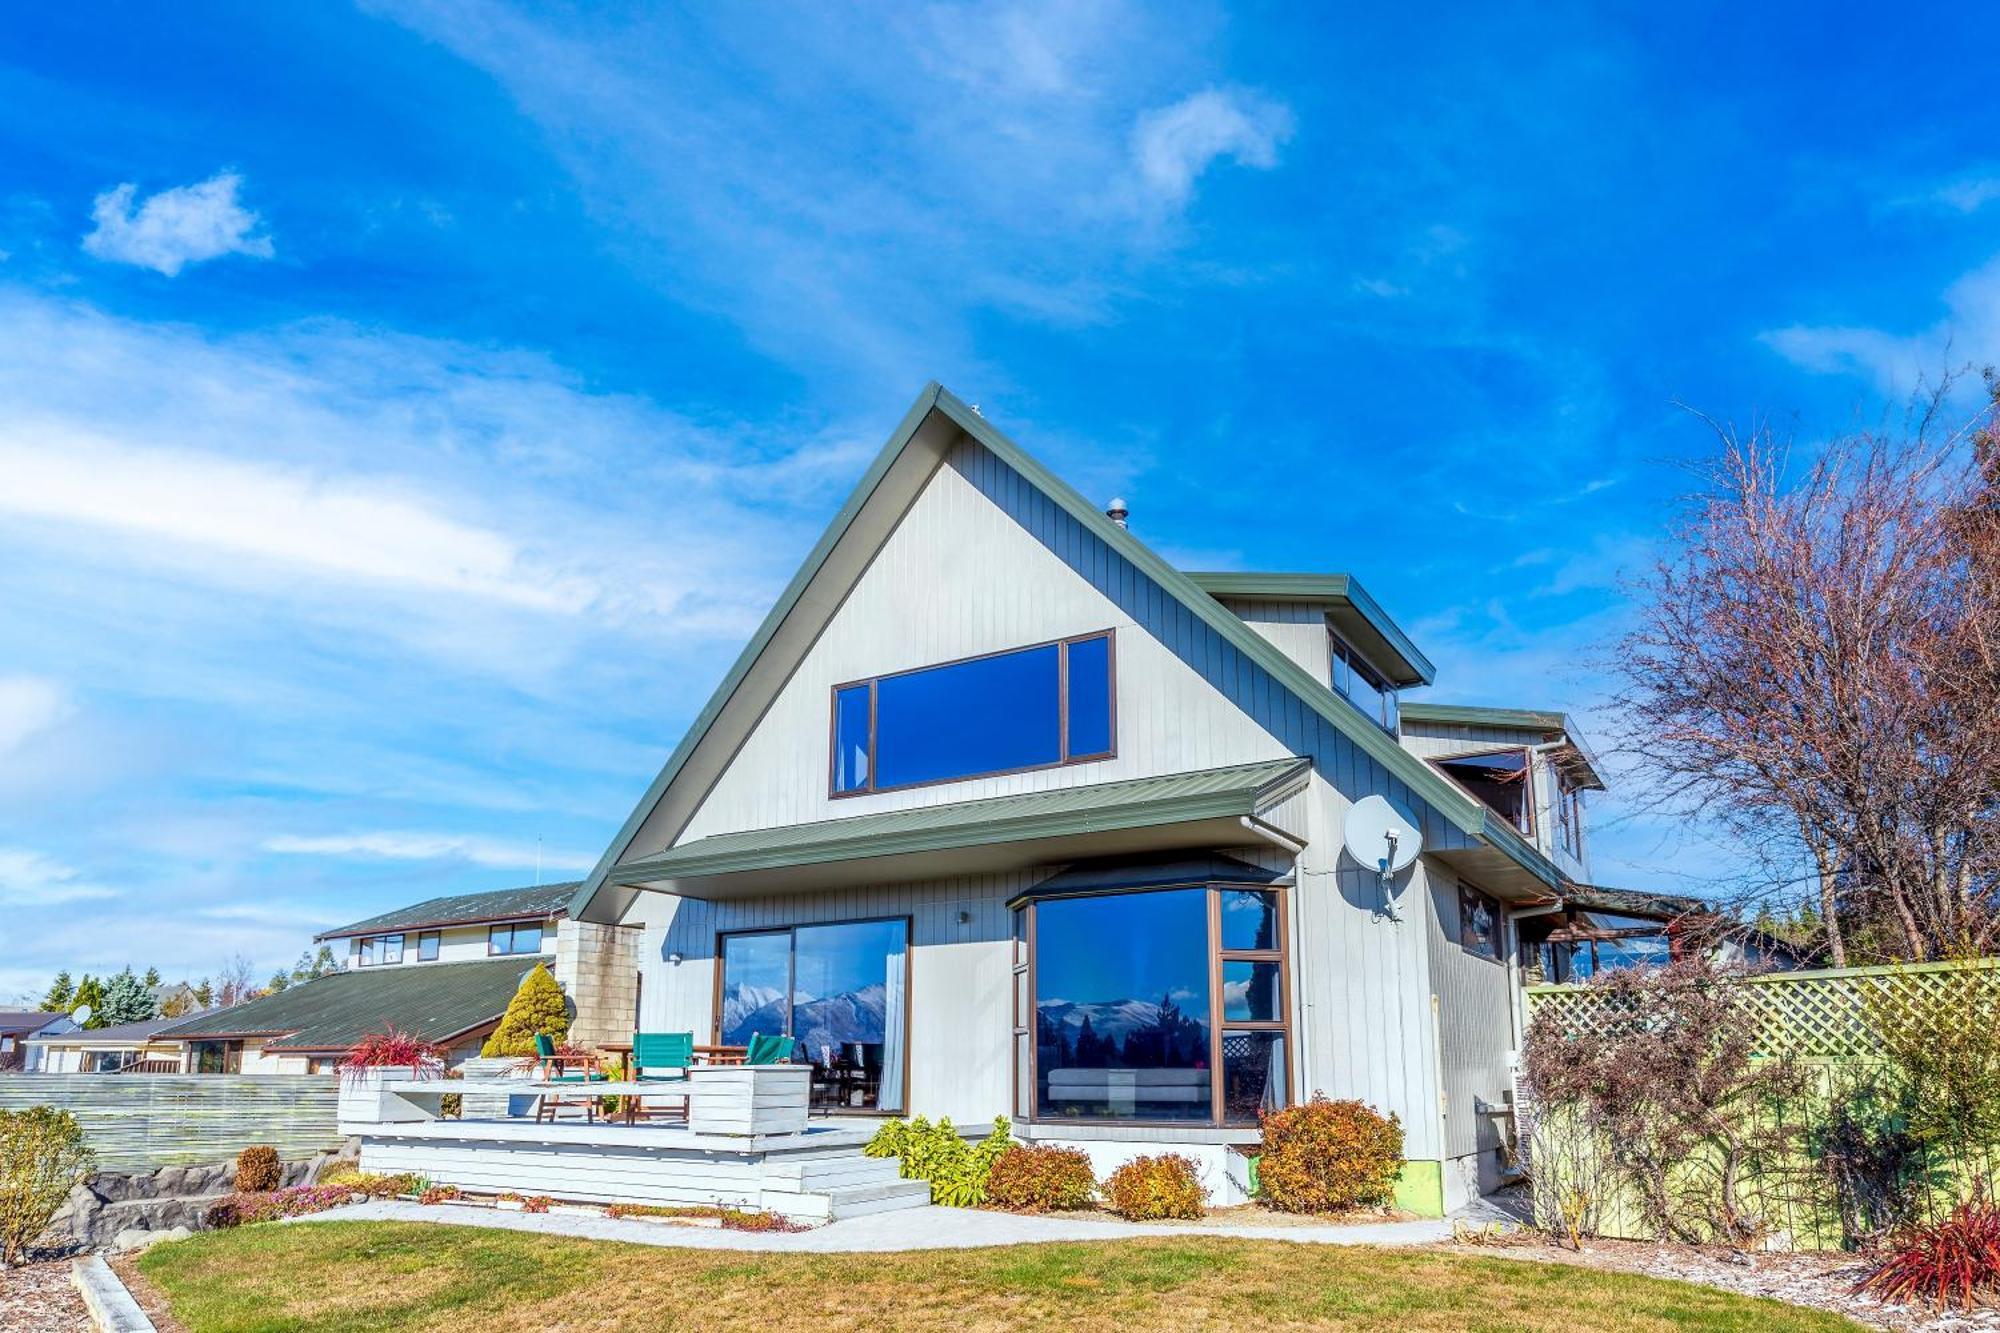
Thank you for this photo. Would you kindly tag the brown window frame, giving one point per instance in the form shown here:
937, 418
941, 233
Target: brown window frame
1027, 1103
791, 986
510, 927
1110, 636
436, 940
361, 944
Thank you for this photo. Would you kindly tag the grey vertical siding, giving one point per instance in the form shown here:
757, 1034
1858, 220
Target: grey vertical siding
1475, 1022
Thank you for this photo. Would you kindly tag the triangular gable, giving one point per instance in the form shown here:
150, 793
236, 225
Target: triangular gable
891, 484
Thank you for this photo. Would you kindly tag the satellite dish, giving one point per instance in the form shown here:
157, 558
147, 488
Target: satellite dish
81, 1015
1381, 837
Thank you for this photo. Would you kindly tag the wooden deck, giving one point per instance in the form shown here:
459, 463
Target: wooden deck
814, 1176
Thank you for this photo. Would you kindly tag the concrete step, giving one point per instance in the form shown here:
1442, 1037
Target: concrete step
860, 1202
831, 1173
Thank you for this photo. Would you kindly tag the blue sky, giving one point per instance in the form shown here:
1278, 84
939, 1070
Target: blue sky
405, 412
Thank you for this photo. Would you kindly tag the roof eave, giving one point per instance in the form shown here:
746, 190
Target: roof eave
1356, 614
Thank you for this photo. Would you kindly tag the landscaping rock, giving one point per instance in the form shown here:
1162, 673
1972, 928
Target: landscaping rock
141, 1239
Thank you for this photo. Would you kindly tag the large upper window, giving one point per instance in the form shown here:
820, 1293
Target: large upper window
1166, 1005
1500, 779
1031, 708
1362, 685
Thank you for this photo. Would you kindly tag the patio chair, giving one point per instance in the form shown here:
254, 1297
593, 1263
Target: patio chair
776, 1050
555, 1068
668, 1055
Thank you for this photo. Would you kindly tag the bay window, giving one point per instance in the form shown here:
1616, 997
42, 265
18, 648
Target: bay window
1163, 1006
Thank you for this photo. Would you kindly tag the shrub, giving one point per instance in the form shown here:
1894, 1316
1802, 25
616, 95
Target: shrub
537, 1008
42, 1157
538, 1203
1146, 1189
1953, 1262
1326, 1157
240, 1209
732, 1219
257, 1170
390, 1048
440, 1194
938, 1153
1031, 1178
1941, 1034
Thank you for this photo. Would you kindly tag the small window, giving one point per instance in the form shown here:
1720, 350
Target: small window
1362, 685
381, 950
427, 947
1478, 923
1009, 712
1569, 819
1500, 780
523, 938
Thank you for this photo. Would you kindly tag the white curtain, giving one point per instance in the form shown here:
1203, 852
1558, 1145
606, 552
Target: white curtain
890, 1096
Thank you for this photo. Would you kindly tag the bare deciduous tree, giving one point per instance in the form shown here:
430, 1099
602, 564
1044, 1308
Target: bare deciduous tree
1822, 659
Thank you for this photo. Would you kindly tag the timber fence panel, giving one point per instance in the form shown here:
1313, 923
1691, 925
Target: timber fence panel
137, 1122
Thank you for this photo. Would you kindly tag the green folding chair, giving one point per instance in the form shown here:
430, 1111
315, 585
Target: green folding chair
775, 1050
667, 1055
556, 1068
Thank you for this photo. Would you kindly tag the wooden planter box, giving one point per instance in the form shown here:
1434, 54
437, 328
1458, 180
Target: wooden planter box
363, 1102
749, 1099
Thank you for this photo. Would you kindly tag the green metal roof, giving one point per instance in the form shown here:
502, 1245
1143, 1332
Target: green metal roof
465, 909
1359, 617
1215, 793
1456, 807
433, 1001
1583, 762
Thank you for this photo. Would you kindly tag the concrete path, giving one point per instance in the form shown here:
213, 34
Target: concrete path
910, 1229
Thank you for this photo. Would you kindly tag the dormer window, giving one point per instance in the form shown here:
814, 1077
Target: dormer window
1500, 779
1362, 685
1028, 708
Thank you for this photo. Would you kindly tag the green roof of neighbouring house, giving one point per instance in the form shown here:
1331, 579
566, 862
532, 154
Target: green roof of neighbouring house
464, 909
433, 1001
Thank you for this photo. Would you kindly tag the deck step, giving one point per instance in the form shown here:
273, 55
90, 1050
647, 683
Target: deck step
831, 1173
886, 1199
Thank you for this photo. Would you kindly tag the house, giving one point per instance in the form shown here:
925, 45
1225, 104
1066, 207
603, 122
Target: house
442, 969
135, 1047
20, 1026
999, 812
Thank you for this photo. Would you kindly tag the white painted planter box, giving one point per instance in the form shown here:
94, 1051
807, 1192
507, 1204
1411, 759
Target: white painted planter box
749, 1099
363, 1102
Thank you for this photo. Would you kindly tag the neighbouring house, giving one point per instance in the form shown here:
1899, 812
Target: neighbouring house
20, 1026
121, 1048
1000, 812
442, 969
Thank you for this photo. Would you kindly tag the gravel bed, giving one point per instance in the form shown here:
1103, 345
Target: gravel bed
1820, 1281
38, 1298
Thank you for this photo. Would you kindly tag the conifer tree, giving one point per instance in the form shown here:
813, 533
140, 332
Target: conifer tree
126, 1000
90, 991
537, 1007
62, 994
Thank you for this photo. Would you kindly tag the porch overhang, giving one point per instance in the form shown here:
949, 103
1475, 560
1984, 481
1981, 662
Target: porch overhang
1210, 809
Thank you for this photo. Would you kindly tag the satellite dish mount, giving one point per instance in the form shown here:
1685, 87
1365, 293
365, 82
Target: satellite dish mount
1386, 840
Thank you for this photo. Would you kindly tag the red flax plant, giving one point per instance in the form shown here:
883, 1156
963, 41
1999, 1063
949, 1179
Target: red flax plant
390, 1048
1953, 1262
1817, 666
1664, 1083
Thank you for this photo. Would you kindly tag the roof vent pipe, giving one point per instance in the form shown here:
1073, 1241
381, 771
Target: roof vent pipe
1117, 512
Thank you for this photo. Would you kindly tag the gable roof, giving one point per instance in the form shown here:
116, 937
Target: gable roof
434, 1001
13, 1022
464, 909
1359, 617
898, 474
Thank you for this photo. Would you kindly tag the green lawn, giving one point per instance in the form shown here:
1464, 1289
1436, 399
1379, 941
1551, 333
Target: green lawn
373, 1276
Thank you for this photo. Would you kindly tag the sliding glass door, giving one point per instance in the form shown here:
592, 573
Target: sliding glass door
840, 991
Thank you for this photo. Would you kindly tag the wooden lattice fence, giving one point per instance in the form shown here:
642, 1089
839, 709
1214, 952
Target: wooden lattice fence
1830, 1022
1824, 1015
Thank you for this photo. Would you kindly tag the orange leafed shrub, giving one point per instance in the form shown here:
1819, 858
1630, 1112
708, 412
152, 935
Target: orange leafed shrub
1327, 1156
257, 1170
1037, 1178
1147, 1189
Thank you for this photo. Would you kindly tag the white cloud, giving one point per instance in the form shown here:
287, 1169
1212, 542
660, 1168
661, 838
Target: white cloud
1174, 145
391, 846
30, 879
1899, 362
353, 528
1968, 194
175, 227
29, 705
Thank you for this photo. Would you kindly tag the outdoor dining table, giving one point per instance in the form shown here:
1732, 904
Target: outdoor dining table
706, 1055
